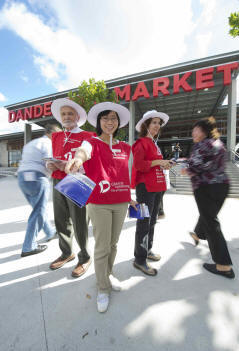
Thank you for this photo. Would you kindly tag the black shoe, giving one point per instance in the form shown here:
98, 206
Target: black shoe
40, 248
213, 269
55, 236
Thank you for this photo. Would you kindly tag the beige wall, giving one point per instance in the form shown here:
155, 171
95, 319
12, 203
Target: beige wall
3, 153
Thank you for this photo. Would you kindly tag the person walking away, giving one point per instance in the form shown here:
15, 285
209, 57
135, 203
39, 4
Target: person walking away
34, 184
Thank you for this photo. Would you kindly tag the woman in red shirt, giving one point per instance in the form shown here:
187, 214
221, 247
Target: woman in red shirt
149, 180
107, 165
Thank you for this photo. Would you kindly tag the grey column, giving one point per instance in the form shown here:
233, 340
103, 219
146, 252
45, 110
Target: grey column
27, 133
231, 117
131, 130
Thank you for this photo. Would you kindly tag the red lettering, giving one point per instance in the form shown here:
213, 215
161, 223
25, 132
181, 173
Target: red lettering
11, 116
181, 82
204, 78
47, 109
140, 90
160, 84
19, 115
37, 111
123, 94
28, 113
227, 69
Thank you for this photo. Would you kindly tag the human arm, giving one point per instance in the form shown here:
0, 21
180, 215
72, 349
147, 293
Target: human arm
133, 203
82, 154
143, 165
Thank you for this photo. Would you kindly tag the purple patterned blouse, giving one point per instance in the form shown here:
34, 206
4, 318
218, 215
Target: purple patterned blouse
207, 163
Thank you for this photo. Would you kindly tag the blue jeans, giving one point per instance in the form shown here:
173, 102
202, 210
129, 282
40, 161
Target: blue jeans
37, 193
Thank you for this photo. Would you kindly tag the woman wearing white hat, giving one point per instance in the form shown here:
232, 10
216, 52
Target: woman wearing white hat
107, 165
149, 180
70, 219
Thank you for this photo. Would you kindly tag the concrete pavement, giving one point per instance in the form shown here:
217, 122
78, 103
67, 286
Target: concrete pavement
183, 308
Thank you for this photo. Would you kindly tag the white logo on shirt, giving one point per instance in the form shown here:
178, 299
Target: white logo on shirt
104, 186
68, 156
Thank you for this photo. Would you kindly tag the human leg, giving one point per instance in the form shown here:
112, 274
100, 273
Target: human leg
80, 225
34, 192
143, 225
101, 218
62, 221
118, 216
209, 200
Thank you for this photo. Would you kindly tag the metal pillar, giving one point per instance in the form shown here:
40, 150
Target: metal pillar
131, 130
231, 117
27, 133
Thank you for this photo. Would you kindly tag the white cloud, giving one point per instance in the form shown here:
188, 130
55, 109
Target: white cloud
153, 35
23, 77
2, 97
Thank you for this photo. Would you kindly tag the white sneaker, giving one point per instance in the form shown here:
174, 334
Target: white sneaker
102, 302
115, 283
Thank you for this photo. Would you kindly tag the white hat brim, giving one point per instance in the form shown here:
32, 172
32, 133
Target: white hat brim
123, 112
152, 114
56, 110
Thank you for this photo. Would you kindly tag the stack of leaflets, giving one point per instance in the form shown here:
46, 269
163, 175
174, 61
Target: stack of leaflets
76, 187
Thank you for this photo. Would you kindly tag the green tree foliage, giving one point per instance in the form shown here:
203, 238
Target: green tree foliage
91, 93
234, 24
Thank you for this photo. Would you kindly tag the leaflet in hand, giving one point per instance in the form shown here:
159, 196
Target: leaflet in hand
51, 159
76, 187
141, 213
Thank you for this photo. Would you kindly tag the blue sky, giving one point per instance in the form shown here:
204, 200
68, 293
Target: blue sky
52, 45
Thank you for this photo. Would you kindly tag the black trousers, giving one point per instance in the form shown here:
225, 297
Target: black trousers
209, 199
161, 210
70, 220
144, 234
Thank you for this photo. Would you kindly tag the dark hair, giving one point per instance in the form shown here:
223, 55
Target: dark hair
209, 127
99, 131
144, 127
51, 128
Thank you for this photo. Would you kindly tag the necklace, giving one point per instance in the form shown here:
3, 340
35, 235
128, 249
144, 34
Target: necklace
155, 141
66, 138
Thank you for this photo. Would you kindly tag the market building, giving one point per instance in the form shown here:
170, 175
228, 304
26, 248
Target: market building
186, 92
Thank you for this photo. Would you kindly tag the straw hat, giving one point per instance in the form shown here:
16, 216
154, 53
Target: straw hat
123, 112
152, 114
56, 109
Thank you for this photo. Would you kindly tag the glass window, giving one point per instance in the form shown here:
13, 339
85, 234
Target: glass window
14, 156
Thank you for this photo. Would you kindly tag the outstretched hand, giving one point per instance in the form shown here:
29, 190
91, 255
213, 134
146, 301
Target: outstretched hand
73, 166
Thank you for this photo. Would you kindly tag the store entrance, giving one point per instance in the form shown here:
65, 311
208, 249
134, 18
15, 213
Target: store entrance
169, 148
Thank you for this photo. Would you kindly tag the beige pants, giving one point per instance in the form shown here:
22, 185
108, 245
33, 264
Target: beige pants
107, 221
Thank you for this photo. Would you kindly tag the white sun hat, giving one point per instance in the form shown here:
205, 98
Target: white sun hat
152, 114
123, 112
56, 109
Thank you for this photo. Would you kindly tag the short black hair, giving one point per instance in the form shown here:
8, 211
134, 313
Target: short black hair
99, 131
51, 128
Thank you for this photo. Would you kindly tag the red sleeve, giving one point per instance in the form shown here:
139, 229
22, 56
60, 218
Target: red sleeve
140, 163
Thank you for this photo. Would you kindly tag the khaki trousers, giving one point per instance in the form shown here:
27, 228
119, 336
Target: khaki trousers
107, 221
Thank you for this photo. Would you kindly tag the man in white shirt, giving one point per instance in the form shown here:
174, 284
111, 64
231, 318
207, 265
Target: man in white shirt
34, 183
